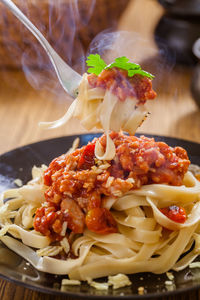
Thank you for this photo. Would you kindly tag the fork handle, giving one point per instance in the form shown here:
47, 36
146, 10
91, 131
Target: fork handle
68, 78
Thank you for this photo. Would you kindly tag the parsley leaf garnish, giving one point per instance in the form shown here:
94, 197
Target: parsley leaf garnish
123, 63
96, 62
98, 65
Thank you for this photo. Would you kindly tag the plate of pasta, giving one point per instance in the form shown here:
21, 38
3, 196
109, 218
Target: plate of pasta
103, 215
116, 246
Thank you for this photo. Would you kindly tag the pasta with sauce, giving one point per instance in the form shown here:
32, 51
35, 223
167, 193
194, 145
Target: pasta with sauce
110, 101
125, 230
121, 204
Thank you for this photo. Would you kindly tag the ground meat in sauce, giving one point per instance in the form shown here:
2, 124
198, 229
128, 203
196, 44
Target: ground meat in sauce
122, 86
78, 182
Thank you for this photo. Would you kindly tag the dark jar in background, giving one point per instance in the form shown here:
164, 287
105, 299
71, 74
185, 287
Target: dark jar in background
179, 28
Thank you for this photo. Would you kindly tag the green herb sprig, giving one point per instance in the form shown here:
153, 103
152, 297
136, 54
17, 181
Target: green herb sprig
97, 65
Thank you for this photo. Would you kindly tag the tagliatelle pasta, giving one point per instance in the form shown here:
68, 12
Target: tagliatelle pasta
120, 204
141, 244
97, 107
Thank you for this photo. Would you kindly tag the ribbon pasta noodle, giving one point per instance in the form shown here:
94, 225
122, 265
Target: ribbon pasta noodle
99, 108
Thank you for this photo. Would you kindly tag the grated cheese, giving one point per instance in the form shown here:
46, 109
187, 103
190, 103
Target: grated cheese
70, 282
168, 282
64, 228
194, 265
65, 244
18, 182
49, 251
99, 285
118, 281
170, 275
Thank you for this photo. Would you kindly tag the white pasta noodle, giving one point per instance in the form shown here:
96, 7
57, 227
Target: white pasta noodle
141, 244
100, 108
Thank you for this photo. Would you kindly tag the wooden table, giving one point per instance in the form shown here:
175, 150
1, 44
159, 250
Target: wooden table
174, 113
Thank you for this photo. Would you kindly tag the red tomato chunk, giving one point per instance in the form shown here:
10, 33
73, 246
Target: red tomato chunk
86, 160
101, 221
78, 183
175, 213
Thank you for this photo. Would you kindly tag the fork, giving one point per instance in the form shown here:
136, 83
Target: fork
69, 79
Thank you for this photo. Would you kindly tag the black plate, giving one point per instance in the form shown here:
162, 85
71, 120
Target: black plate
18, 164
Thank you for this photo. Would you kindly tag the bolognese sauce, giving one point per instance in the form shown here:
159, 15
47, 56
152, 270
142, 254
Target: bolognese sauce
118, 82
78, 183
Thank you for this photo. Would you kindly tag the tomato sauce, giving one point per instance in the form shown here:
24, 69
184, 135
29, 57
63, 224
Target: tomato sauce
100, 220
78, 183
118, 82
175, 213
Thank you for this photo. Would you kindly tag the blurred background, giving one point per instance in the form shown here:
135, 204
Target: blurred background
161, 35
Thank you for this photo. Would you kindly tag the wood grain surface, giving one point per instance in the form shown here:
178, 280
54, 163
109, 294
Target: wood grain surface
174, 113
